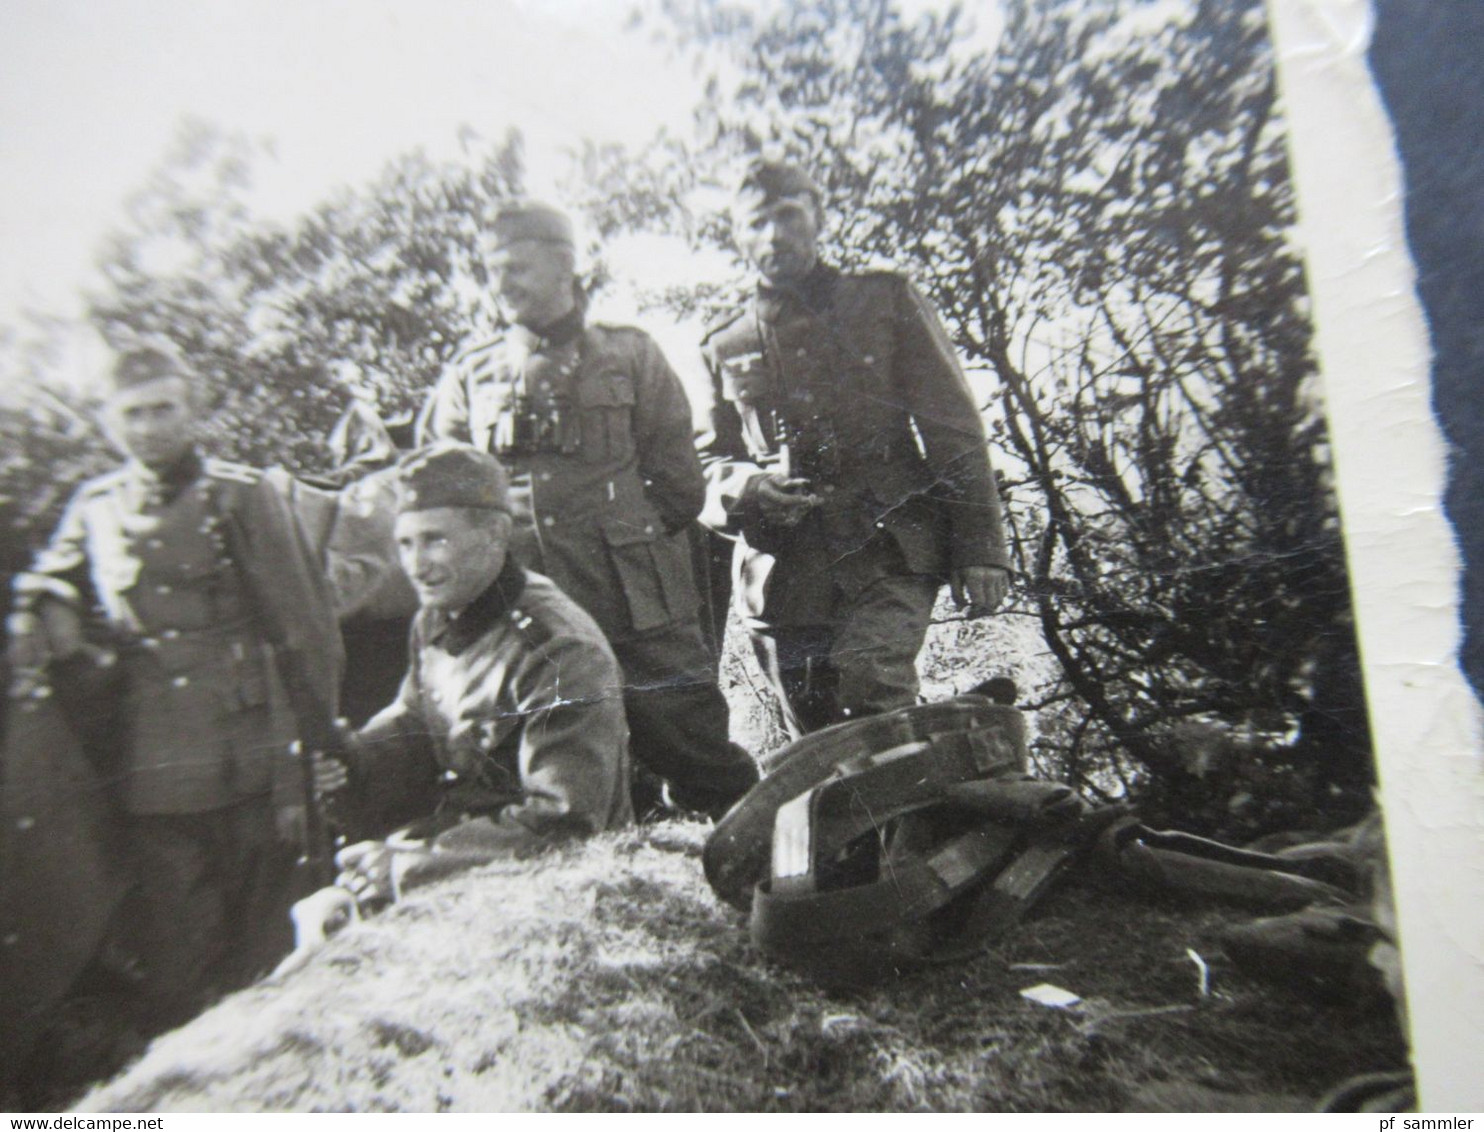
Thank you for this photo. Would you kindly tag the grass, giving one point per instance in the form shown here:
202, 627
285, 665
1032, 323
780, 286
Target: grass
607, 977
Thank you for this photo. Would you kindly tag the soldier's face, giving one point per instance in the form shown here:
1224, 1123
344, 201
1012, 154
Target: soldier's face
779, 238
451, 554
535, 281
155, 421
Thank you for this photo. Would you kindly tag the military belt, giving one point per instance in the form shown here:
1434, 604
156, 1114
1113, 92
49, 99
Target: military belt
1011, 845
736, 856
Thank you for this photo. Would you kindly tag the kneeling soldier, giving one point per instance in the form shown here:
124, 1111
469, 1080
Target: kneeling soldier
508, 733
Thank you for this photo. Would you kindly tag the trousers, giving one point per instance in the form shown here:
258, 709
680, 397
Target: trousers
210, 912
863, 661
678, 719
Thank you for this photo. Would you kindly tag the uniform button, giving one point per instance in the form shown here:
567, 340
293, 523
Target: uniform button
25, 822
869, 360
162, 589
181, 681
649, 528
802, 352
881, 526
548, 520
545, 477
450, 776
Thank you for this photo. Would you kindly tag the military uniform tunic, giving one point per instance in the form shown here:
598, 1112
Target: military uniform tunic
508, 732
849, 382
203, 584
595, 431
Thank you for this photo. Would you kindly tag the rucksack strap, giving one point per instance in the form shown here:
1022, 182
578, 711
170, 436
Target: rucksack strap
854, 935
737, 852
870, 790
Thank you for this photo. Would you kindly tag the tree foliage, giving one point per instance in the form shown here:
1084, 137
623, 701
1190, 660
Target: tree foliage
1101, 209
366, 295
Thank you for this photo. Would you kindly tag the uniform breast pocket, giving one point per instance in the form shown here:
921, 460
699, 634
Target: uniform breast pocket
606, 405
747, 379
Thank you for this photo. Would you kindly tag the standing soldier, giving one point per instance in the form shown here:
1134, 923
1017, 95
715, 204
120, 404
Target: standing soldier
596, 433
847, 453
190, 578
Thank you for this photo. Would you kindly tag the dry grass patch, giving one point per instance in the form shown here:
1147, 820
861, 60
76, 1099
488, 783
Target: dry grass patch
607, 977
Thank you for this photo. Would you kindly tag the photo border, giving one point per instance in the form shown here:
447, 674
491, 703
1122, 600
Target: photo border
1372, 345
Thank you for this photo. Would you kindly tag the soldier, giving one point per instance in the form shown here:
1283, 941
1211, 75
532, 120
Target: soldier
508, 733
596, 432
192, 580
846, 452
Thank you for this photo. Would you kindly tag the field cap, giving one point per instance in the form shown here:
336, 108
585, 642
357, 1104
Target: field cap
146, 362
531, 220
451, 475
767, 180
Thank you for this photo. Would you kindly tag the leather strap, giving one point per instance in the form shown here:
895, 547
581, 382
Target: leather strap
737, 852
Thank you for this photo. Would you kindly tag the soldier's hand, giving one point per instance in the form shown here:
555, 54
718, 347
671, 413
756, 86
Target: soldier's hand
366, 871
979, 590
784, 501
29, 649
52, 631
63, 626
330, 774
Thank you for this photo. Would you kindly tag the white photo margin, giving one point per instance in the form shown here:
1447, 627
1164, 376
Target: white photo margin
1372, 344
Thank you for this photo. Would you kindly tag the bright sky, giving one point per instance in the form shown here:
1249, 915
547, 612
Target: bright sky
91, 95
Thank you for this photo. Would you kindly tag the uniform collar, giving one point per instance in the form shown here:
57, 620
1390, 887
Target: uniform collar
564, 329
170, 482
814, 293
455, 633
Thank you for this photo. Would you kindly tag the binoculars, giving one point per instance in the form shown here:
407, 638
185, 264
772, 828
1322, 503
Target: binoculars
531, 427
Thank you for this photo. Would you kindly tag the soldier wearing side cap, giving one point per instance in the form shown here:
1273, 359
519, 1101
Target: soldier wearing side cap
508, 733
190, 581
596, 432
846, 455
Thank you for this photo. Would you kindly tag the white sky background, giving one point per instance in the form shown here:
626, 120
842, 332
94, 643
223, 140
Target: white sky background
91, 95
